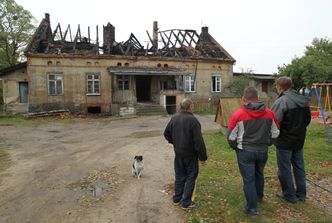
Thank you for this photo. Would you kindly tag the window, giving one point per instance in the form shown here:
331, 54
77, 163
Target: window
55, 84
93, 84
168, 83
216, 83
265, 86
123, 82
189, 83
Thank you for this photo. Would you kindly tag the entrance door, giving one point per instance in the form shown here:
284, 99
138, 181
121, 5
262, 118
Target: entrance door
23, 90
143, 88
171, 104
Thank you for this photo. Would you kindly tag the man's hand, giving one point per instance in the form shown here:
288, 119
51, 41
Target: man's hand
202, 163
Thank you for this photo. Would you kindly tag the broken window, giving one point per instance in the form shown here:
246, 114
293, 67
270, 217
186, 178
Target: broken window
216, 83
189, 83
55, 84
123, 82
168, 83
93, 84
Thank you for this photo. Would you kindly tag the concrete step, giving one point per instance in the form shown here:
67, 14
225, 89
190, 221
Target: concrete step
150, 109
18, 108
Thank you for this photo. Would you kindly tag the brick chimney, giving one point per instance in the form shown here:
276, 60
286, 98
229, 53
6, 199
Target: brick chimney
108, 34
47, 17
205, 29
155, 35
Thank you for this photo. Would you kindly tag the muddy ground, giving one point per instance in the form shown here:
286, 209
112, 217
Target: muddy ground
81, 171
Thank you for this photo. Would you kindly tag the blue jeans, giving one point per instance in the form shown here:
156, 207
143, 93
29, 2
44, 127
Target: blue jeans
288, 159
251, 165
186, 172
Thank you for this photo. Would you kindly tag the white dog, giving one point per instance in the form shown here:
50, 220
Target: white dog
137, 166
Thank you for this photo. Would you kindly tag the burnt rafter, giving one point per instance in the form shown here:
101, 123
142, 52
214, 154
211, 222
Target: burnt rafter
132, 47
178, 37
178, 43
169, 43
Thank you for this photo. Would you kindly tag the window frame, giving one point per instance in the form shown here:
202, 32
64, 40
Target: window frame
93, 80
123, 79
55, 84
214, 83
192, 83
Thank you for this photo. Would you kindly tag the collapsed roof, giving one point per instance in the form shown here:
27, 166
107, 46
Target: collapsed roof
181, 43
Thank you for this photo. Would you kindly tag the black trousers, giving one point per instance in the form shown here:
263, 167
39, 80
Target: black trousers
186, 172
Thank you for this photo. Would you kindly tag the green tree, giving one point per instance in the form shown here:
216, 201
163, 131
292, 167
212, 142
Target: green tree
16, 28
314, 66
238, 83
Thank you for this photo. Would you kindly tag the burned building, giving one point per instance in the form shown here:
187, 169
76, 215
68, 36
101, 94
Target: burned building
66, 70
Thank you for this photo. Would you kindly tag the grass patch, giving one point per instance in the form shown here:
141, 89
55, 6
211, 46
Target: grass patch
206, 111
219, 187
10, 120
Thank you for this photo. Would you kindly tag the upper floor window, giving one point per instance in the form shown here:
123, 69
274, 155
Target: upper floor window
93, 84
216, 83
55, 84
189, 83
123, 82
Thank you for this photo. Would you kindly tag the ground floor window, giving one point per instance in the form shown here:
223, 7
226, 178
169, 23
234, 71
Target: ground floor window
265, 86
93, 84
216, 83
123, 82
55, 84
168, 83
189, 83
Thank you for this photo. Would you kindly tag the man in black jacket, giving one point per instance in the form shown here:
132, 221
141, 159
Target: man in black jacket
184, 132
293, 112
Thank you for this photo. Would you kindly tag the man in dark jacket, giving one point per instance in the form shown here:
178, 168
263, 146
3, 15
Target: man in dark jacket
184, 132
294, 116
251, 130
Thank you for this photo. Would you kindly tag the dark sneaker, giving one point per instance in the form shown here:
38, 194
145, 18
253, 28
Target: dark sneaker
282, 197
177, 203
194, 204
249, 212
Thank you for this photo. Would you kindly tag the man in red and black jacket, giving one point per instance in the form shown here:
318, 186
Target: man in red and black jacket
251, 129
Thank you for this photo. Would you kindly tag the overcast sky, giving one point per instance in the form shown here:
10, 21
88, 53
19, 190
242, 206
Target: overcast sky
260, 34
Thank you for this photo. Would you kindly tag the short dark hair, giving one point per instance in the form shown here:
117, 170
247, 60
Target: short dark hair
250, 93
185, 104
284, 82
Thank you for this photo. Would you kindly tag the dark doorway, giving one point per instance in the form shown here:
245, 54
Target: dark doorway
143, 88
94, 110
171, 104
23, 91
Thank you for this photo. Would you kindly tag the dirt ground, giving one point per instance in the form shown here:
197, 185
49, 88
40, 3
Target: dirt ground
81, 171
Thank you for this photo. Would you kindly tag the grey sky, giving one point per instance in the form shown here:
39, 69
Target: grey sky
259, 34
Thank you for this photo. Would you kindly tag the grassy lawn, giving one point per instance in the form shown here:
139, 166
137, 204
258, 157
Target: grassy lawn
8, 120
220, 193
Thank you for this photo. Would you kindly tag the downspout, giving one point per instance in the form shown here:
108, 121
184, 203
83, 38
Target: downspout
195, 73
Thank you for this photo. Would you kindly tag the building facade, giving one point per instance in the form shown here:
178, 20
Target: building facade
81, 75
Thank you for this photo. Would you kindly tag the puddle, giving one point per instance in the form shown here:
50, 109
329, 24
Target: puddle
146, 134
5, 162
96, 185
98, 189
